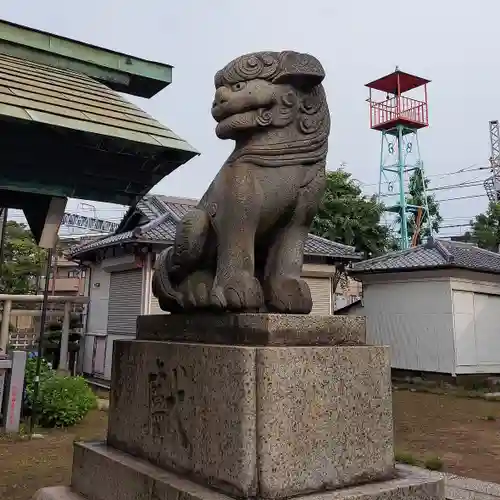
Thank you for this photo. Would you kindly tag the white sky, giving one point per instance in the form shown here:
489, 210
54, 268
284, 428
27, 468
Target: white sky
455, 44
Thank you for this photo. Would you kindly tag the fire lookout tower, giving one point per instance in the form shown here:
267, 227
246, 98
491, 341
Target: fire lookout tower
398, 117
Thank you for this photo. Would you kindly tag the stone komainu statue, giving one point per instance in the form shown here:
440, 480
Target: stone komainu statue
241, 249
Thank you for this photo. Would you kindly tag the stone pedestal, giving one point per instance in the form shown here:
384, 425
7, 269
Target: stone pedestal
271, 415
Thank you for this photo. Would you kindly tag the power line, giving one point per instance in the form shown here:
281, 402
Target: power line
463, 197
471, 168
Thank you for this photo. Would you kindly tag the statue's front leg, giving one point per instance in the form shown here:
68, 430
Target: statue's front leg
235, 221
285, 291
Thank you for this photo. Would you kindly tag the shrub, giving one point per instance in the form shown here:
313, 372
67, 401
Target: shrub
30, 370
29, 378
405, 458
64, 401
434, 463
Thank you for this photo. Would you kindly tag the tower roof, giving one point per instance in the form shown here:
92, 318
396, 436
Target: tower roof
389, 83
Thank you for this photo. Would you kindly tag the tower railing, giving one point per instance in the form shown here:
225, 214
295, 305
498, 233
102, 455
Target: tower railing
398, 108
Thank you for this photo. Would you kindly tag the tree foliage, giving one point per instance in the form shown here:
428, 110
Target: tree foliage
485, 231
349, 217
23, 260
419, 184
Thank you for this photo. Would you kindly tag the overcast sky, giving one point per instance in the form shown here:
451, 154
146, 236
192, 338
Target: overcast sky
454, 44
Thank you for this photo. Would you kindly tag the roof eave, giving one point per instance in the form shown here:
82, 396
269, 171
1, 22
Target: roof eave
394, 270
144, 241
121, 72
426, 268
343, 258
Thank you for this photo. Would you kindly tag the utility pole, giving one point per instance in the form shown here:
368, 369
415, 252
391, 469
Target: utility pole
43, 318
3, 231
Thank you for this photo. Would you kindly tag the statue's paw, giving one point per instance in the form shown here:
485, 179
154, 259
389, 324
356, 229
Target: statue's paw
170, 305
288, 295
239, 293
197, 297
195, 290
168, 298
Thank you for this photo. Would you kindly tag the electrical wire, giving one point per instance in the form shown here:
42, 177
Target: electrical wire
471, 168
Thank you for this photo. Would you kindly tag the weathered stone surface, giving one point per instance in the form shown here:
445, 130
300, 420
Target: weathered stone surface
102, 473
253, 329
324, 418
57, 493
187, 407
255, 421
241, 249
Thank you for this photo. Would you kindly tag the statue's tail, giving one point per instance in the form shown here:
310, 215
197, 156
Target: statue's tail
181, 260
168, 299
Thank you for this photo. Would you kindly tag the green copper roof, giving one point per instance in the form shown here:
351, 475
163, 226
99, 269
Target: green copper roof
114, 151
64, 98
120, 72
65, 130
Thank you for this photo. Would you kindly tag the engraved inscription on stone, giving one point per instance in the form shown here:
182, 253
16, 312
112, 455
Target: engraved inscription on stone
166, 396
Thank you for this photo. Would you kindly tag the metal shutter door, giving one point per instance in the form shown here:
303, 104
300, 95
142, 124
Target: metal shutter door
320, 292
125, 299
155, 307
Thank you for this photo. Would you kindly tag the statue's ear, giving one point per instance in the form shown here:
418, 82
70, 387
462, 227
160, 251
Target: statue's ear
303, 71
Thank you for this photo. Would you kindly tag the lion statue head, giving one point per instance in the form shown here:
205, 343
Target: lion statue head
273, 105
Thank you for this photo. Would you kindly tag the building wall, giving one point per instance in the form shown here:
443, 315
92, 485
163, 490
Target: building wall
438, 321
97, 321
415, 318
94, 346
355, 310
476, 314
66, 278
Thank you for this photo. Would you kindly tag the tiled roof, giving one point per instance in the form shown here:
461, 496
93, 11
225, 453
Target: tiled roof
315, 245
434, 254
164, 212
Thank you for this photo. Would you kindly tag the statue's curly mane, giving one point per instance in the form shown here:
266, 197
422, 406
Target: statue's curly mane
304, 111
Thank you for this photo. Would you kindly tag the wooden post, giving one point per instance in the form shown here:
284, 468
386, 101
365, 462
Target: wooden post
4, 329
63, 359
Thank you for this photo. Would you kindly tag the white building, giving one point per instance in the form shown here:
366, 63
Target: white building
437, 306
121, 267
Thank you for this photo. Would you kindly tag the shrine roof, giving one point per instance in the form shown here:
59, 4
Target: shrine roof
121, 72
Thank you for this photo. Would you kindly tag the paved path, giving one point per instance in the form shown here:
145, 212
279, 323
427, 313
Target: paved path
466, 488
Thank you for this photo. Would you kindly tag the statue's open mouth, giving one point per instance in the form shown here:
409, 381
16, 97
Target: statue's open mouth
224, 111
239, 122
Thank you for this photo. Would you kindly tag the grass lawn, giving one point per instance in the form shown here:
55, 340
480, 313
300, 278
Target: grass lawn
464, 433
26, 466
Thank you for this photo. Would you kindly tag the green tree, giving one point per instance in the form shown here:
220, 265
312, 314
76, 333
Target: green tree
23, 260
349, 217
485, 228
417, 185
